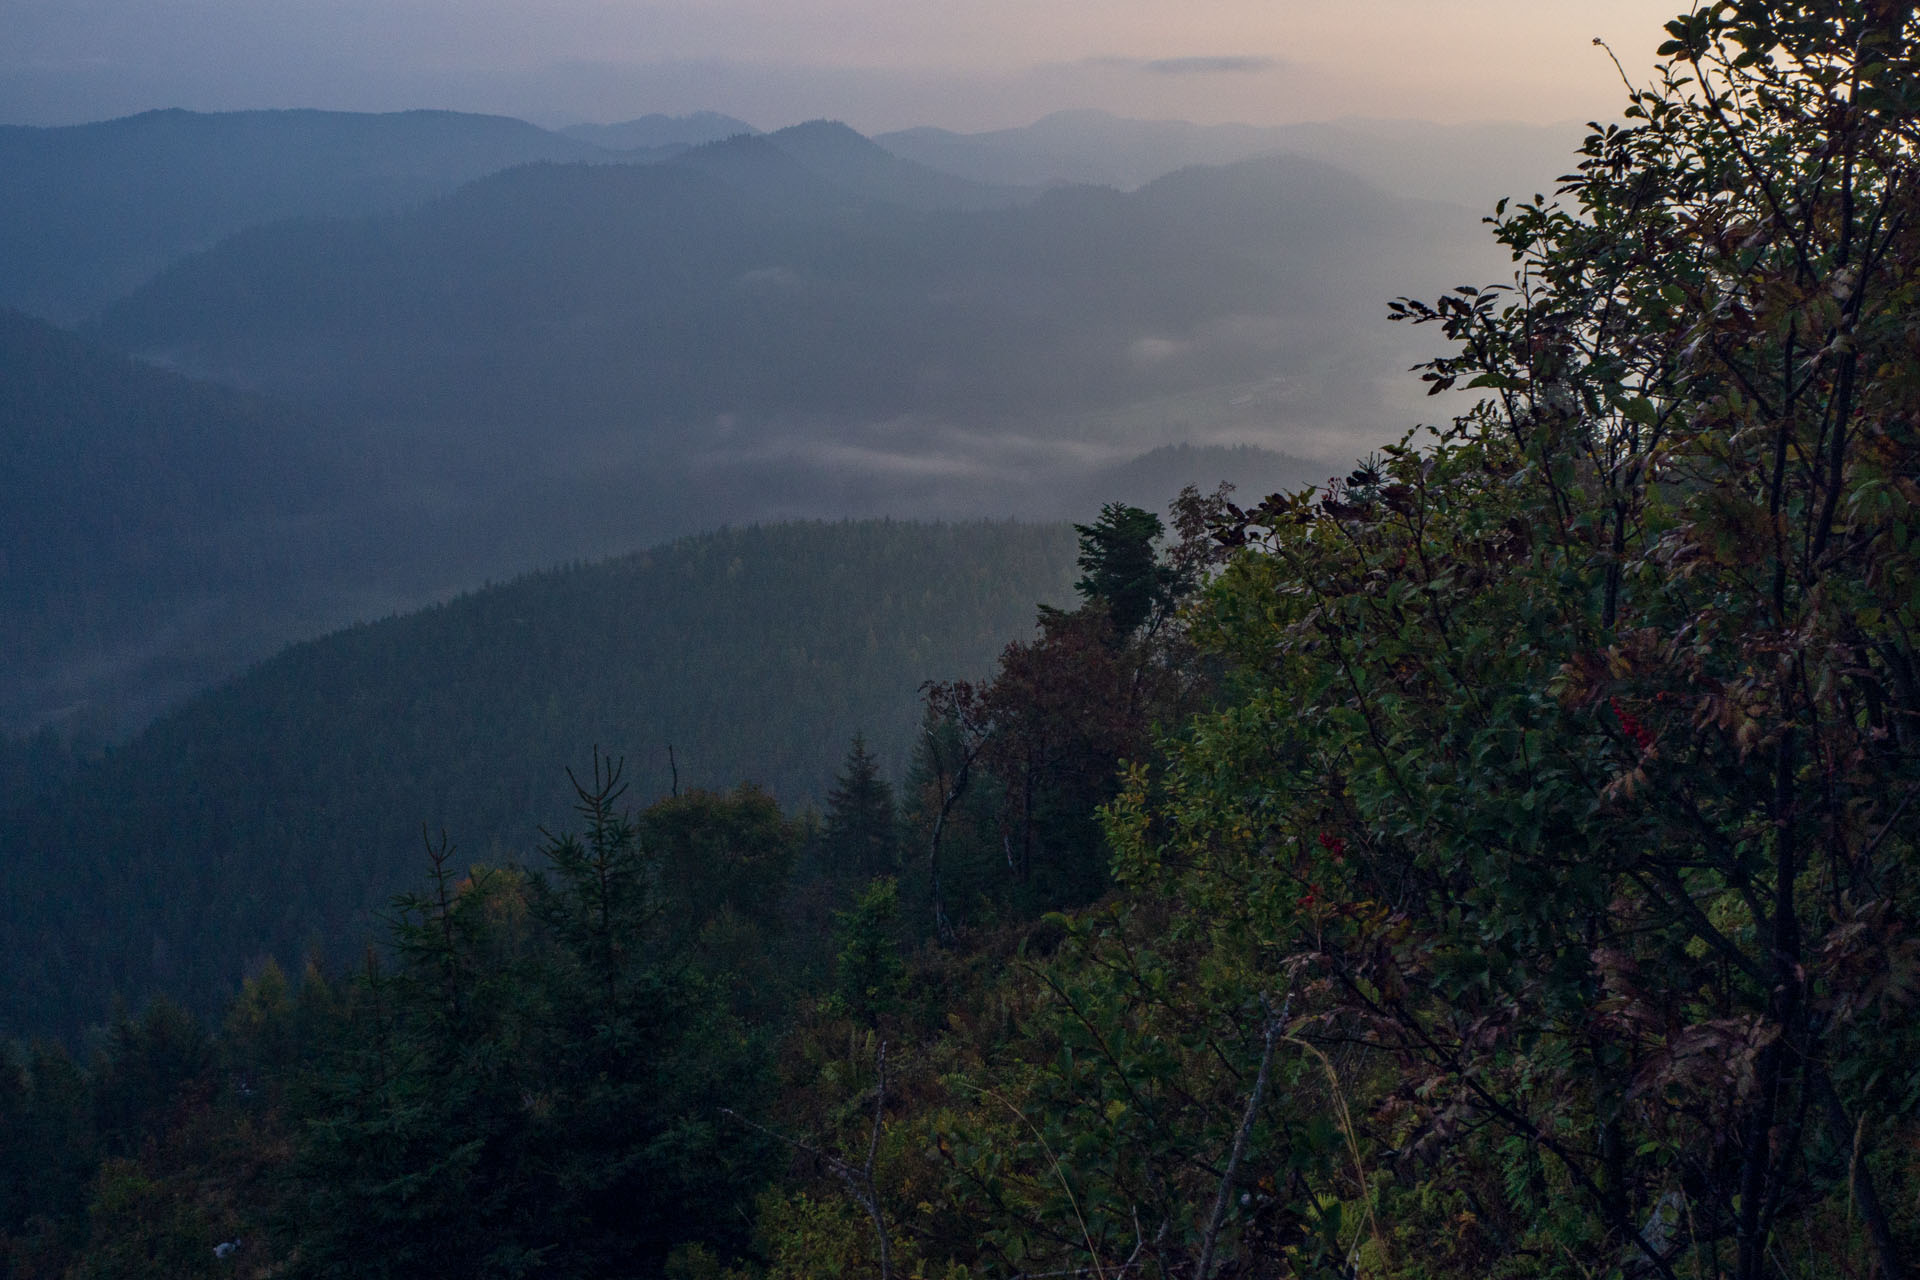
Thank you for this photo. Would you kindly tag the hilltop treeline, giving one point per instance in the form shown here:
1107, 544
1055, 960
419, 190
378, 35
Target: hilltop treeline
1500, 862
638, 971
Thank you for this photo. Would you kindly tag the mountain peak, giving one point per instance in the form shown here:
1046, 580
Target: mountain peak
820, 128
816, 137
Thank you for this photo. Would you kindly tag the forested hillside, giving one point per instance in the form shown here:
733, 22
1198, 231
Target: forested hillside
150, 525
279, 812
88, 212
162, 533
1500, 861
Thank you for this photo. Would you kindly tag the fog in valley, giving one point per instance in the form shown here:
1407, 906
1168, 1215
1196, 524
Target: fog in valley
316, 366
304, 340
731, 640
270, 369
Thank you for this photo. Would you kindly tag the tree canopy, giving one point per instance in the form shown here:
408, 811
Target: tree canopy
1505, 866
1559, 819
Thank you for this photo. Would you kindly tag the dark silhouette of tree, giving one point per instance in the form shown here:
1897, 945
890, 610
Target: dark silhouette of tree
720, 851
869, 976
1065, 709
536, 1081
861, 838
1120, 567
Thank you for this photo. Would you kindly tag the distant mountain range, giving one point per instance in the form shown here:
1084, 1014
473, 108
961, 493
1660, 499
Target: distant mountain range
1472, 165
653, 132
769, 290
88, 212
850, 165
472, 347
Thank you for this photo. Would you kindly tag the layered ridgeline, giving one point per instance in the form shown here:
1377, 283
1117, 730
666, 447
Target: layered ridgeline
563, 362
810, 305
1470, 164
161, 533
87, 212
279, 812
660, 131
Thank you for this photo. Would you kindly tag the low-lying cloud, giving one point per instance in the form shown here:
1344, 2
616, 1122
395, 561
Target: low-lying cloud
1209, 66
1221, 64
1144, 353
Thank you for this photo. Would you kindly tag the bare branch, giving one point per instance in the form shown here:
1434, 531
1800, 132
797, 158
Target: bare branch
1275, 1024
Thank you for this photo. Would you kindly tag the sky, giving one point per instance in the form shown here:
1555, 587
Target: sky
877, 64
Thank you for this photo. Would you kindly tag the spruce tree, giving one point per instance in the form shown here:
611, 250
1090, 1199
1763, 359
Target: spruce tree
869, 976
862, 837
1121, 568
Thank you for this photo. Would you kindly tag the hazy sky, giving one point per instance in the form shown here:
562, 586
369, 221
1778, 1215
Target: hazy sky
878, 64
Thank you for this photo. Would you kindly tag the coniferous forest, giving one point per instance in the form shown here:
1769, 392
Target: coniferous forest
1498, 862
275, 816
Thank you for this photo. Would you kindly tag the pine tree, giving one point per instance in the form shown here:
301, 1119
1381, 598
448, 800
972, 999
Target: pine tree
861, 839
869, 977
1122, 570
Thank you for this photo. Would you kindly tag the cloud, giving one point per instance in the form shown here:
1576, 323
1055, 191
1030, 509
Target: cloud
1228, 64
1144, 353
775, 279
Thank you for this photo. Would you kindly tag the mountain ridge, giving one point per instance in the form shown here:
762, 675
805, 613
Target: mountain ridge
286, 805
87, 212
1049, 295
656, 130
1467, 164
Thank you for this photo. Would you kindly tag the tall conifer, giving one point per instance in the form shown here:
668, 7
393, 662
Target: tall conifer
862, 837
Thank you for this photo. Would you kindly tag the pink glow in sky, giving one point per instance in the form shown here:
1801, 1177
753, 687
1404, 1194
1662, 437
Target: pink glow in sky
879, 64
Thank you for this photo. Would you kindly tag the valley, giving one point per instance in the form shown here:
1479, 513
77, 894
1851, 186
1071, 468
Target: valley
1034, 688
523, 348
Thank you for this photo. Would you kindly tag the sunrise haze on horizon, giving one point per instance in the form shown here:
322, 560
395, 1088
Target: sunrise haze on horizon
878, 64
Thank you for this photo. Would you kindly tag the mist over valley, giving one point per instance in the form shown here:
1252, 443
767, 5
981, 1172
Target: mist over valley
470, 348
879, 639
269, 374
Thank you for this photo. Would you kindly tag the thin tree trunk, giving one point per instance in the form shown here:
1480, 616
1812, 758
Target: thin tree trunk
1204, 1269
